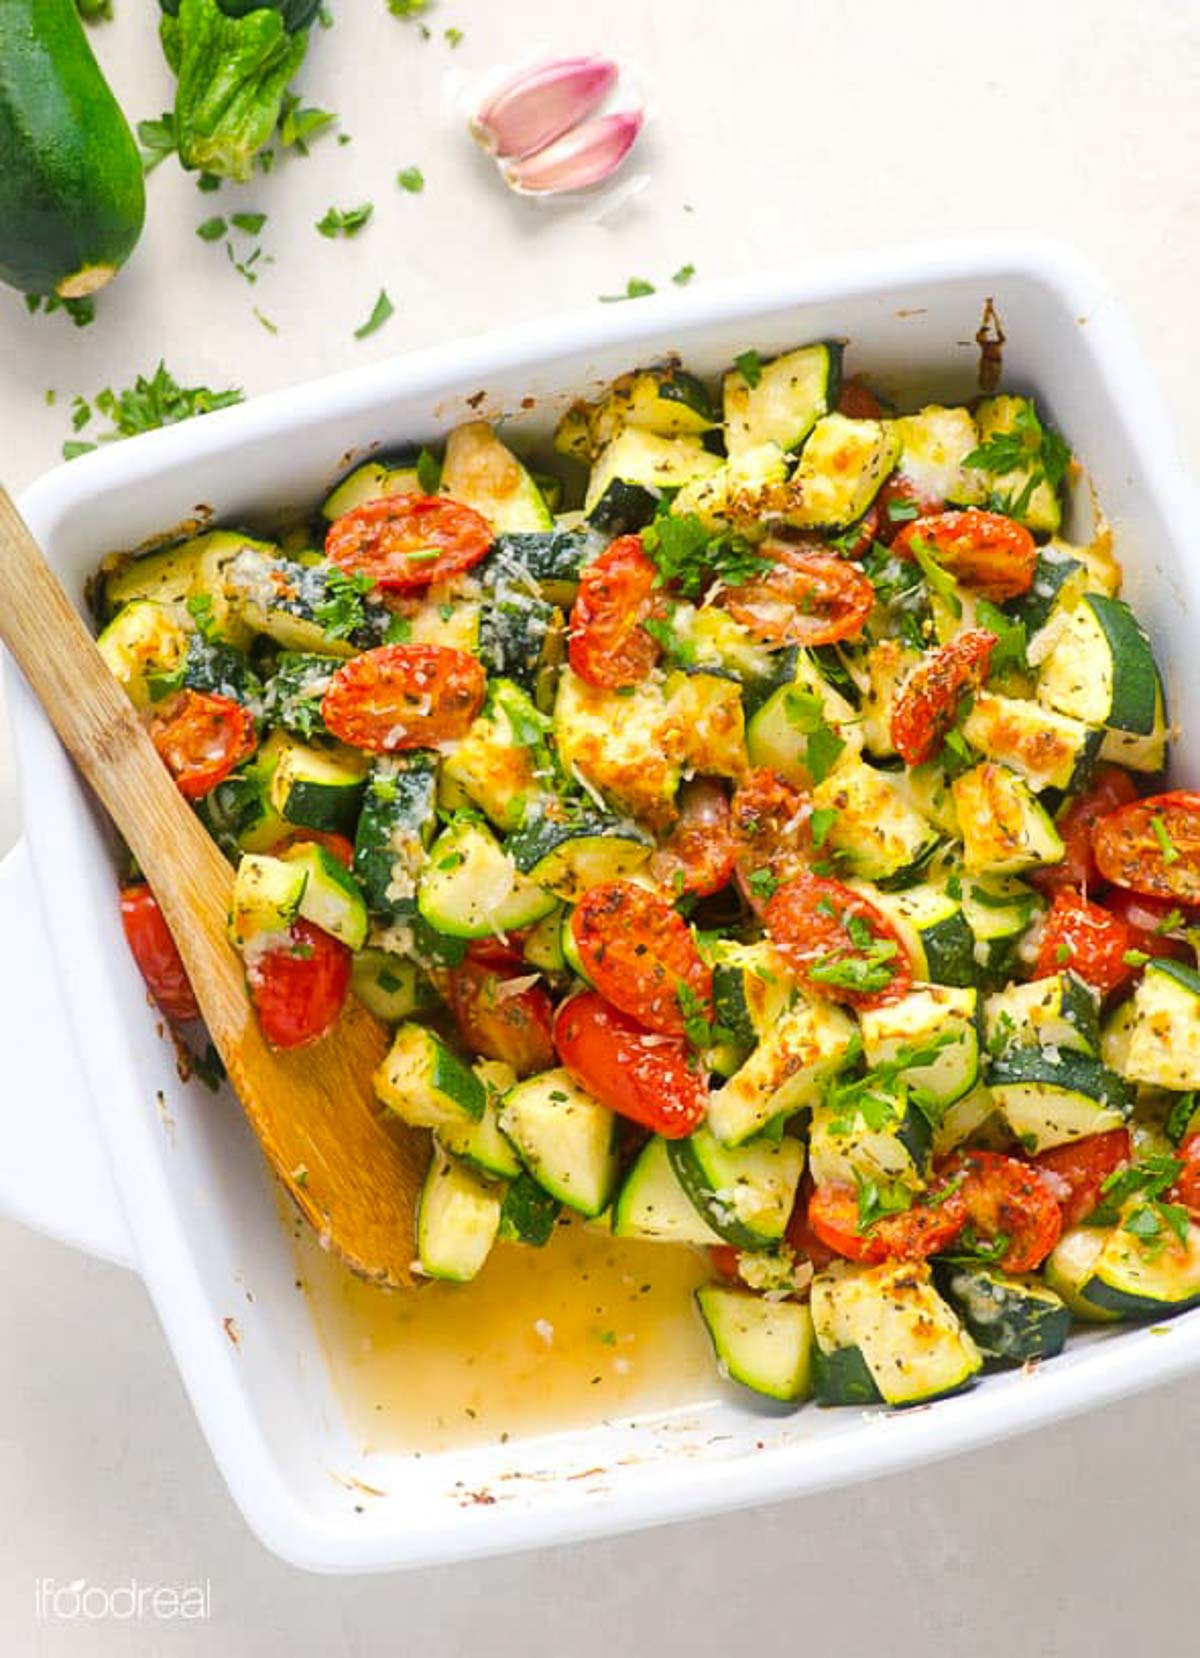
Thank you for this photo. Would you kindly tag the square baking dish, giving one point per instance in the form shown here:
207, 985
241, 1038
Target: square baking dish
194, 1210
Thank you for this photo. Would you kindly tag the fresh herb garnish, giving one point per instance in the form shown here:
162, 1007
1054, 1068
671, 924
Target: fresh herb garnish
762, 884
1135, 958
299, 126
150, 403
684, 553
683, 275
806, 711
1180, 1116
398, 631
340, 613
820, 823
453, 37
937, 579
749, 366
411, 179
902, 512
697, 1027
1011, 637
251, 223
345, 221
1170, 852
200, 609
636, 288
212, 229
1029, 446
1136, 1192
429, 472
383, 310
877, 1198
870, 971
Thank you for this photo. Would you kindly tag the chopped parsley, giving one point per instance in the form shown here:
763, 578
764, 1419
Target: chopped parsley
806, 711
1180, 1116
1030, 447
1011, 637
212, 229
972, 1250
763, 884
697, 1027
411, 179
1135, 958
251, 223
1170, 852
340, 613
429, 472
683, 275
453, 37
938, 579
1134, 1197
345, 221
399, 631
148, 404
749, 366
383, 310
684, 553
877, 1198
821, 822
902, 512
871, 970
299, 126
407, 8
200, 609
636, 288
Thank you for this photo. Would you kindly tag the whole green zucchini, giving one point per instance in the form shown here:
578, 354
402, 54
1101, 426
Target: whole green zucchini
72, 200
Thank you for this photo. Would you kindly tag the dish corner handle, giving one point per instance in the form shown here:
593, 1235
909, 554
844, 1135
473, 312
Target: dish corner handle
54, 1174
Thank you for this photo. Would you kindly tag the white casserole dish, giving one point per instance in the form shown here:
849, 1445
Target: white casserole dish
194, 1210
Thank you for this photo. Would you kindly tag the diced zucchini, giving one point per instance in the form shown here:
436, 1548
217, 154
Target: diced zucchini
425, 1084
389, 986
710, 637
783, 403
543, 946
964, 1120
1164, 1029
471, 887
482, 1143
840, 471
193, 571
295, 689
880, 1135
1041, 509
665, 399
999, 910
752, 988
765, 1345
523, 638
483, 473
631, 472
331, 898
546, 565
739, 495
745, 1195
503, 762
778, 733
787, 1070
1060, 579
238, 813
267, 895
887, 664
1059, 1011
1135, 1269
653, 1205
448, 614
884, 1334
630, 748
318, 788
934, 445
395, 826
219, 670
458, 1219
1050, 1097
565, 1138
529, 1214
370, 481
295, 604
1004, 828
1013, 1318
933, 1016
877, 834
145, 647
1049, 750
1071, 1266
932, 928
707, 712
1102, 670
565, 856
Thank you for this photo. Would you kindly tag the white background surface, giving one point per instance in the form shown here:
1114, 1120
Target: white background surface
781, 130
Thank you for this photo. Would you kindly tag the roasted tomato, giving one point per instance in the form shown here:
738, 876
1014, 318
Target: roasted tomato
927, 702
1109, 788
1186, 1189
202, 738
641, 956
1076, 1172
404, 696
769, 819
699, 854
898, 503
638, 1074
840, 945
1152, 846
153, 948
1086, 938
298, 985
618, 592
1010, 1200
1152, 923
337, 845
503, 1014
857, 401
805, 598
993, 555
723, 1259
403, 541
800, 1235
925, 1229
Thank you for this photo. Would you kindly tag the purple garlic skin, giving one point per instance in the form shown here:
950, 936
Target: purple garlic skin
541, 104
586, 155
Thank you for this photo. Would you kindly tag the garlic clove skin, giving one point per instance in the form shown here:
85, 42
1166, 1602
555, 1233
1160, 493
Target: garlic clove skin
587, 155
541, 104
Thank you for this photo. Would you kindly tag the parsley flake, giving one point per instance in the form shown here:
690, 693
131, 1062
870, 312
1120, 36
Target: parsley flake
345, 221
749, 366
636, 288
383, 310
411, 179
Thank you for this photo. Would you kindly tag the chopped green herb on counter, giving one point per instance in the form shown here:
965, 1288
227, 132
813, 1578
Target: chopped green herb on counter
150, 403
346, 221
411, 179
636, 288
383, 310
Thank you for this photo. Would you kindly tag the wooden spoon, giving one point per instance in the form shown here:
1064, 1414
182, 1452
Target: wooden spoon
354, 1177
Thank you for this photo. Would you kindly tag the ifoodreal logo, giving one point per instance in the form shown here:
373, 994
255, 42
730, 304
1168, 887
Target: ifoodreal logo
82, 1601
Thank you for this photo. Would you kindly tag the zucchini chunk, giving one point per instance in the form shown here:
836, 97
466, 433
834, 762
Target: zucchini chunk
458, 1219
752, 988
483, 473
653, 1205
145, 648
543, 946
331, 898
449, 614
220, 670
934, 445
629, 748
1135, 1269
1060, 1011
1164, 1029
1102, 670
879, 1135
931, 1016
482, 1143
1060, 578
192, 570
1004, 828
289, 602
397, 823
567, 855
739, 494
710, 637
840, 471
528, 1214
787, 1070
267, 894
707, 712
389, 986
238, 813
999, 911
965, 1119
790, 395
427, 1085
1049, 1097
318, 788
745, 1195
631, 473
370, 482
1042, 510
878, 835
933, 929
470, 886
884, 1335
780, 729
665, 399
1049, 750
546, 564
503, 762
1010, 1317
887, 663
295, 689
765, 1345
565, 1138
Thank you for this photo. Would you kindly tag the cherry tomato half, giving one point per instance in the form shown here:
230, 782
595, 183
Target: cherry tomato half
618, 592
993, 555
1151, 923
927, 702
201, 738
699, 854
638, 1074
769, 820
800, 1235
806, 598
1152, 846
925, 1229
298, 985
1109, 788
641, 956
899, 502
1007, 1198
502, 1015
1087, 939
402, 541
1186, 1189
153, 948
842, 947
337, 845
857, 401
1076, 1171
404, 696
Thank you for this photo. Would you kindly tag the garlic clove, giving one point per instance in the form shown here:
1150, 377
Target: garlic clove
587, 155
541, 104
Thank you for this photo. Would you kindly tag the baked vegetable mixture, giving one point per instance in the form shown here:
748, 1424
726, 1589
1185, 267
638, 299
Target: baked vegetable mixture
769, 857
